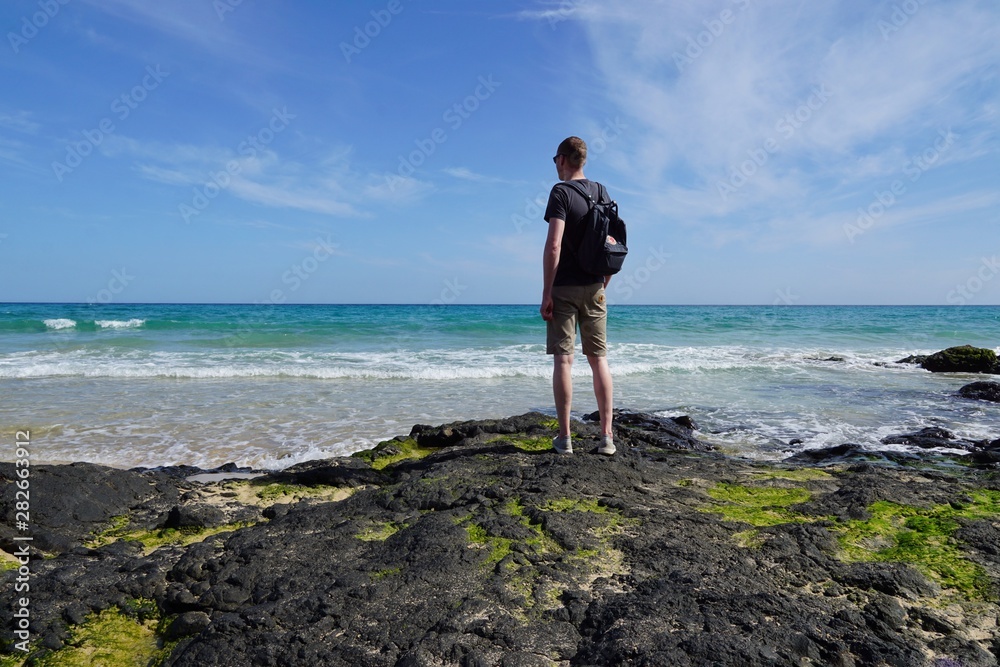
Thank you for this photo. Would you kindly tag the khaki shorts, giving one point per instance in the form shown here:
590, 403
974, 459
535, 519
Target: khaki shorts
578, 303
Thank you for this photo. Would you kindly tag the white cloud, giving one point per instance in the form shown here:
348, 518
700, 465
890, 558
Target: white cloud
523, 249
941, 211
834, 100
395, 190
554, 12
18, 121
465, 174
192, 21
288, 195
13, 150
330, 187
12, 153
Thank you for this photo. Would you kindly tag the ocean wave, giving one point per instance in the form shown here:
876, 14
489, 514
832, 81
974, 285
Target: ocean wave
450, 364
120, 324
59, 323
140, 371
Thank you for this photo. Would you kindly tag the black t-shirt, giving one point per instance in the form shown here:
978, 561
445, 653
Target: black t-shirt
567, 204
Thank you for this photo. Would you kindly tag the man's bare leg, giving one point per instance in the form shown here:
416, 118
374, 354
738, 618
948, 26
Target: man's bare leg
562, 389
603, 391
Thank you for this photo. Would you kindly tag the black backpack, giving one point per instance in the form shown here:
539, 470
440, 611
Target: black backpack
603, 240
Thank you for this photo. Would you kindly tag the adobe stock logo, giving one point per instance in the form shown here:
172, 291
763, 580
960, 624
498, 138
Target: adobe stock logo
450, 293
38, 20
901, 15
119, 281
455, 116
220, 180
627, 285
786, 126
564, 12
963, 293
223, 7
714, 29
915, 167
122, 107
534, 207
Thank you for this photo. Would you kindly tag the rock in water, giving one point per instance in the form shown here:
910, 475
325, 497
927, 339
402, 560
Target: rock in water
913, 359
962, 359
834, 454
984, 391
926, 438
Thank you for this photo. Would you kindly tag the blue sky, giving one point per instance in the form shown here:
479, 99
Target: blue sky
399, 151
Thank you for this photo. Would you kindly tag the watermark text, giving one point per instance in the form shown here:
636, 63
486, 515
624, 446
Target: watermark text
454, 117
22, 522
219, 181
883, 200
121, 107
31, 26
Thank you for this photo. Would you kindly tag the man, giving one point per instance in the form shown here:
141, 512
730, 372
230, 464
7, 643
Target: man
571, 295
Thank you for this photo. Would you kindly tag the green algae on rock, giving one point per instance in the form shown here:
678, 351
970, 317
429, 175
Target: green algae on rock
110, 638
962, 359
379, 532
924, 538
759, 505
152, 539
393, 451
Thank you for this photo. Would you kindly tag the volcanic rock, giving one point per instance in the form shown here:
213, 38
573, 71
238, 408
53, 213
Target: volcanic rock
482, 546
962, 359
983, 391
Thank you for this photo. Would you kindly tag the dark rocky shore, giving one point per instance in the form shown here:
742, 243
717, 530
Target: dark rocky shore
474, 544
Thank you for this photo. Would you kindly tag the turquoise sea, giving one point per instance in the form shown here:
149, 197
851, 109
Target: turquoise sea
270, 386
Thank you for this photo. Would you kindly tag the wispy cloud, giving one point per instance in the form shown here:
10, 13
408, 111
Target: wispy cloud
554, 11
289, 195
465, 174
11, 152
945, 211
514, 246
399, 191
793, 106
17, 125
330, 187
18, 121
196, 23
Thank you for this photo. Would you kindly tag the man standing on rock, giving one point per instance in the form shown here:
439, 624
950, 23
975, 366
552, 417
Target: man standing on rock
571, 295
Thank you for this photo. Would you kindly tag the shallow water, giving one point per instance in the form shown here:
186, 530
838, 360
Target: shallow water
270, 386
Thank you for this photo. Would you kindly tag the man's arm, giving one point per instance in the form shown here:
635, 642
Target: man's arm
550, 261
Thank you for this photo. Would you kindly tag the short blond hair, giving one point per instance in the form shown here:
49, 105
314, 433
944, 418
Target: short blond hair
575, 150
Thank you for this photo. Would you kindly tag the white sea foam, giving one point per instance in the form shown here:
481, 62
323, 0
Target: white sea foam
60, 323
753, 411
120, 324
514, 361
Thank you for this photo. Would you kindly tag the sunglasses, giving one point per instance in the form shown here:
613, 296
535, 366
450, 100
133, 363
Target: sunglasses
556, 156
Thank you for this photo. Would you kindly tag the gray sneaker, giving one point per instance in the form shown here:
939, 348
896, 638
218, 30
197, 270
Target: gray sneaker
563, 444
607, 446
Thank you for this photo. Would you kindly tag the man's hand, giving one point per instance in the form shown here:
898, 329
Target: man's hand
550, 263
547, 308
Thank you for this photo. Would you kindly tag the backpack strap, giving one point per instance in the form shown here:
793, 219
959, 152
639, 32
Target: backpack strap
586, 195
591, 203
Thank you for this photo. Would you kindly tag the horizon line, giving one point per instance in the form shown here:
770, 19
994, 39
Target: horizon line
468, 305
